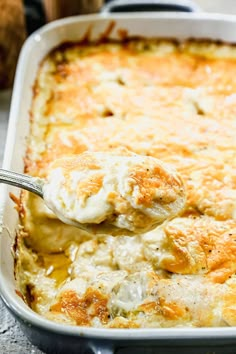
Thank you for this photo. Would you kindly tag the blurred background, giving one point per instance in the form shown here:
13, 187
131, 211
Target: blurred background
19, 18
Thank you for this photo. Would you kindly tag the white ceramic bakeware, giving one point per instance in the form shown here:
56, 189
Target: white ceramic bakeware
53, 337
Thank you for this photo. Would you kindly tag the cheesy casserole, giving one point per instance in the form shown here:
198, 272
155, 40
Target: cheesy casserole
173, 101
114, 193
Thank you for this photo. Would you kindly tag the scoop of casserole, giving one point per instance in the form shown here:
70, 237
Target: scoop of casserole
109, 192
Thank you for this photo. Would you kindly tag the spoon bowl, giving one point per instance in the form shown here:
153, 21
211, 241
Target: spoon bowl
115, 192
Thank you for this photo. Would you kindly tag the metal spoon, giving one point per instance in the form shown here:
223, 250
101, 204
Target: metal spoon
103, 222
32, 184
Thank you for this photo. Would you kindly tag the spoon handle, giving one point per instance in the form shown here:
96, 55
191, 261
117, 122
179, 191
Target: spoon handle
22, 181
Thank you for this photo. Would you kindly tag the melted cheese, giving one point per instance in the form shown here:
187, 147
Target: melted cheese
113, 192
172, 101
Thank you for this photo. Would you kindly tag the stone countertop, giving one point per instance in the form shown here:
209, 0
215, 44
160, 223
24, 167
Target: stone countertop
5, 97
12, 340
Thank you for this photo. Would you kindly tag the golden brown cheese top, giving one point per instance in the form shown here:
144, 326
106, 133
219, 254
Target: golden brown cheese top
82, 310
194, 246
113, 192
172, 101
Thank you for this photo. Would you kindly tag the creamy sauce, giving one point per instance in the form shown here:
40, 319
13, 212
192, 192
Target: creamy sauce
105, 192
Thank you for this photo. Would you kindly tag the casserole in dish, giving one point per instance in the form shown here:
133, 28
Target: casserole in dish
178, 27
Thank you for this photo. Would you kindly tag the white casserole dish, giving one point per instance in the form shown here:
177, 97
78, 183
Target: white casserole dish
52, 336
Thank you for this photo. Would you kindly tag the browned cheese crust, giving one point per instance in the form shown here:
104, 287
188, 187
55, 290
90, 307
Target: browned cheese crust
172, 101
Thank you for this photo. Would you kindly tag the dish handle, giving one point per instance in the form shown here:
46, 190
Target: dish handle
150, 5
102, 348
